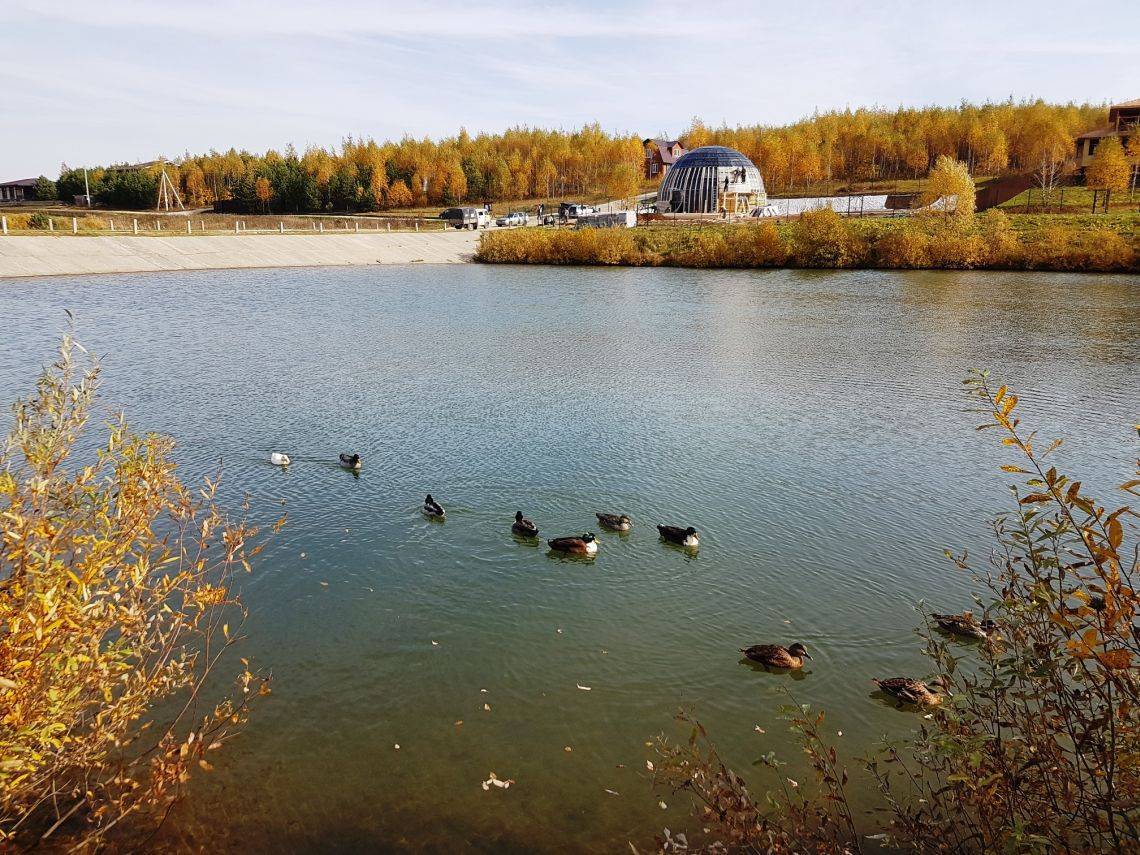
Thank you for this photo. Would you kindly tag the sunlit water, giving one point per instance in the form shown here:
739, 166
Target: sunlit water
811, 425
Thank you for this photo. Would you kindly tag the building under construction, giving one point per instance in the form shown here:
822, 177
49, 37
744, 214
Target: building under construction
712, 179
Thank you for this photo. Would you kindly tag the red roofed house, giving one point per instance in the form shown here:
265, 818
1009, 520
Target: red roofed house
660, 155
1123, 122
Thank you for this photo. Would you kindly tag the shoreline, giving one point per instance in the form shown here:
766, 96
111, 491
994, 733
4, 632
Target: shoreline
28, 256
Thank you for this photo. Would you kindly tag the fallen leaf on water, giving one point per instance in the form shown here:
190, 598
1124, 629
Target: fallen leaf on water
839, 733
662, 805
458, 722
487, 707
397, 746
324, 584
793, 783
649, 765
558, 631
759, 729
434, 643
302, 554
613, 792
787, 621
484, 691
567, 749
583, 688
373, 590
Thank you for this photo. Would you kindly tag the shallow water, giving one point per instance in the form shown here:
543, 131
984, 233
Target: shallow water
811, 425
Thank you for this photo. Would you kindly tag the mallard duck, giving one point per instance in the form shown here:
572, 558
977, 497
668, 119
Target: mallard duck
907, 690
585, 544
350, 461
965, 624
433, 508
680, 536
524, 527
775, 656
279, 459
615, 522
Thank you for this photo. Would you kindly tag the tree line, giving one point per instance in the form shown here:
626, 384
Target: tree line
862, 145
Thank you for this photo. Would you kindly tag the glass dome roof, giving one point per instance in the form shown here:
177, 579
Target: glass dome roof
712, 155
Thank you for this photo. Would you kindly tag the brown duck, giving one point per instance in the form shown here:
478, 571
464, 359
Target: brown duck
524, 527
615, 522
907, 690
585, 544
775, 656
965, 624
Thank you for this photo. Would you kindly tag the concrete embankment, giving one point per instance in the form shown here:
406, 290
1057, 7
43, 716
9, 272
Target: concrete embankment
35, 255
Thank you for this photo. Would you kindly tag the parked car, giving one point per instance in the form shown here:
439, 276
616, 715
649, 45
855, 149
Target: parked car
514, 218
573, 210
466, 218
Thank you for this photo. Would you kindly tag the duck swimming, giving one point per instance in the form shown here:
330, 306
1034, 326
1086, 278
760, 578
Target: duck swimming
433, 508
965, 624
680, 536
350, 461
524, 527
907, 690
585, 544
775, 656
279, 459
615, 522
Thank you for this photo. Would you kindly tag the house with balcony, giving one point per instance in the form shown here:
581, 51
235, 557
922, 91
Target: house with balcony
1123, 122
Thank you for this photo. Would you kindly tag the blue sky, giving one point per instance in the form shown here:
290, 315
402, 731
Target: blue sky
87, 82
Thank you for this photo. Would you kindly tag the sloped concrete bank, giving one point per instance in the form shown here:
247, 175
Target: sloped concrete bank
35, 255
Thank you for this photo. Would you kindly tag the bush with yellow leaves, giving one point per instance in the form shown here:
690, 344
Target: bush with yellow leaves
118, 602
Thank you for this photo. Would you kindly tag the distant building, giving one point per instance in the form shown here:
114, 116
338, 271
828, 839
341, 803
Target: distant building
660, 155
712, 179
18, 191
1123, 122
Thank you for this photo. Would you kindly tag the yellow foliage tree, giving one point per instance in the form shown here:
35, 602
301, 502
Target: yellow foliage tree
951, 179
1109, 169
118, 600
399, 196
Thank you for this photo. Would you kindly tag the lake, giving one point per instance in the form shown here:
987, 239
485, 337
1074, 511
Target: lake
811, 425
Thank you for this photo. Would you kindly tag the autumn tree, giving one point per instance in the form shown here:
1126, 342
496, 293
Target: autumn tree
399, 196
262, 191
1109, 169
950, 179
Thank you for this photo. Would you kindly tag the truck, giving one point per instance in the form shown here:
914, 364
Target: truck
466, 217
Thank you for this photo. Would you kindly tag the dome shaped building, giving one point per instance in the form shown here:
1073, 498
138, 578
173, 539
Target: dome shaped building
712, 179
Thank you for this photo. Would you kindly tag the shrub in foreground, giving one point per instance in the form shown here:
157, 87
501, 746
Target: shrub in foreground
1038, 747
118, 602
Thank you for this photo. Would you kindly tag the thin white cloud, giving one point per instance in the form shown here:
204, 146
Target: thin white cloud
131, 79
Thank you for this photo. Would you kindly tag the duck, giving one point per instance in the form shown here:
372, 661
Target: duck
965, 624
584, 544
279, 459
615, 522
524, 527
350, 461
907, 690
680, 536
775, 656
433, 508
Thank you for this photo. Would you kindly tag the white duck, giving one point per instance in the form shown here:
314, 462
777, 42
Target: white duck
279, 459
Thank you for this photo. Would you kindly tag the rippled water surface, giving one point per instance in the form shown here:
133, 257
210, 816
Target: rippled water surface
809, 424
